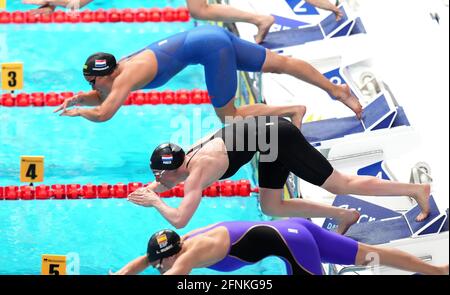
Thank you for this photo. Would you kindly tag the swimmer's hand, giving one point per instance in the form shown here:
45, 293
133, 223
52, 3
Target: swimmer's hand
71, 113
47, 2
70, 102
146, 199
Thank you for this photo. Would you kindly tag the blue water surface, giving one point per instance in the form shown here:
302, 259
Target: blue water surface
13, 5
104, 234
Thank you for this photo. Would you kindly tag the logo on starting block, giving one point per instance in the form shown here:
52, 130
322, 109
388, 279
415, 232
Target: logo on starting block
31, 169
369, 212
301, 7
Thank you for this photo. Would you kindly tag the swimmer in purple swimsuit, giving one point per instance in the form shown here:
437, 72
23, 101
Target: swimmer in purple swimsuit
302, 245
220, 52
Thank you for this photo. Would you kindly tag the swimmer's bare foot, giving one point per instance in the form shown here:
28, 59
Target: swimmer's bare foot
349, 218
264, 24
297, 117
422, 198
344, 95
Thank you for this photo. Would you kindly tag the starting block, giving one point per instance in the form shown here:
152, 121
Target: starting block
327, 28
379, 225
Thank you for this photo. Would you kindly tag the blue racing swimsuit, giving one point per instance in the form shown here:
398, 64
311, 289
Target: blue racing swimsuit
301, 244
219, 51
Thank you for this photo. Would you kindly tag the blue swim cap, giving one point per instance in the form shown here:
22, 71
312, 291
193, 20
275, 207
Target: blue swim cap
167, 156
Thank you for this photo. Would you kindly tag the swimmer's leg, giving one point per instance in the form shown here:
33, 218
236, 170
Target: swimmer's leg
295, 112
338, 249
273, 204
275, 63
221, 80
200, 9
368, 254
339, 183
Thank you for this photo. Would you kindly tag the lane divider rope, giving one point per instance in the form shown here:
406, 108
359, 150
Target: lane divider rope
112, 15
226, 188
41, 99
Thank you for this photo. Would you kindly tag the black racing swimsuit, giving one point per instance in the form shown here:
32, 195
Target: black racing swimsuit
282, 148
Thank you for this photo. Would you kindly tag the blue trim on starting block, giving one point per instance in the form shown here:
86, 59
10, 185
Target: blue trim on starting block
375, 110
376, 170
401, 119
369, 212
386, 123
288, 22
446, 223
380, 232
358, 28
329, 24
412, 214
435, 227
292, 37
344, 31
322, 130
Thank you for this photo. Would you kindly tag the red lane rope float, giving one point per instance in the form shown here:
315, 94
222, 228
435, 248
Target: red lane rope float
127, 15
227, 188
41, 99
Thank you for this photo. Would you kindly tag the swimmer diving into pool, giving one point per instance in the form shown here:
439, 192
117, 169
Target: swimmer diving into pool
199, 9
282, 149
302, 245
220, 52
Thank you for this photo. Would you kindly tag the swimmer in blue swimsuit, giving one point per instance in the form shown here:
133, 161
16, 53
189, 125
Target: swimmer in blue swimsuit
301, 244
221, 53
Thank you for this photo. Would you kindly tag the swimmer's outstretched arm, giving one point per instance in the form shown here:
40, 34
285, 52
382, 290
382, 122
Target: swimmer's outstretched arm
180, 216
61, 3
108, 108
157, 187
133, 267
91, 98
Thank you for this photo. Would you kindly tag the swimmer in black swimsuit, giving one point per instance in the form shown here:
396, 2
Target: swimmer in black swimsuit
221, 155
302, 245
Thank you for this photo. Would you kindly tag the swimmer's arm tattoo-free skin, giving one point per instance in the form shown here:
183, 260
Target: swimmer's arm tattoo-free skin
179, 217
61, 3
108, 108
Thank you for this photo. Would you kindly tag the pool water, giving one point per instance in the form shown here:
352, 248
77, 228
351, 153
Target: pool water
79, 151
104, 234
53, 55
13, 5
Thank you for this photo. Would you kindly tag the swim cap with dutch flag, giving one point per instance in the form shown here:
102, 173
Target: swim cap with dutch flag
99, 64
167, 156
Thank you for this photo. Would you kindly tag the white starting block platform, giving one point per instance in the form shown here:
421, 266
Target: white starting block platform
341, 51
300, 33
428, 240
